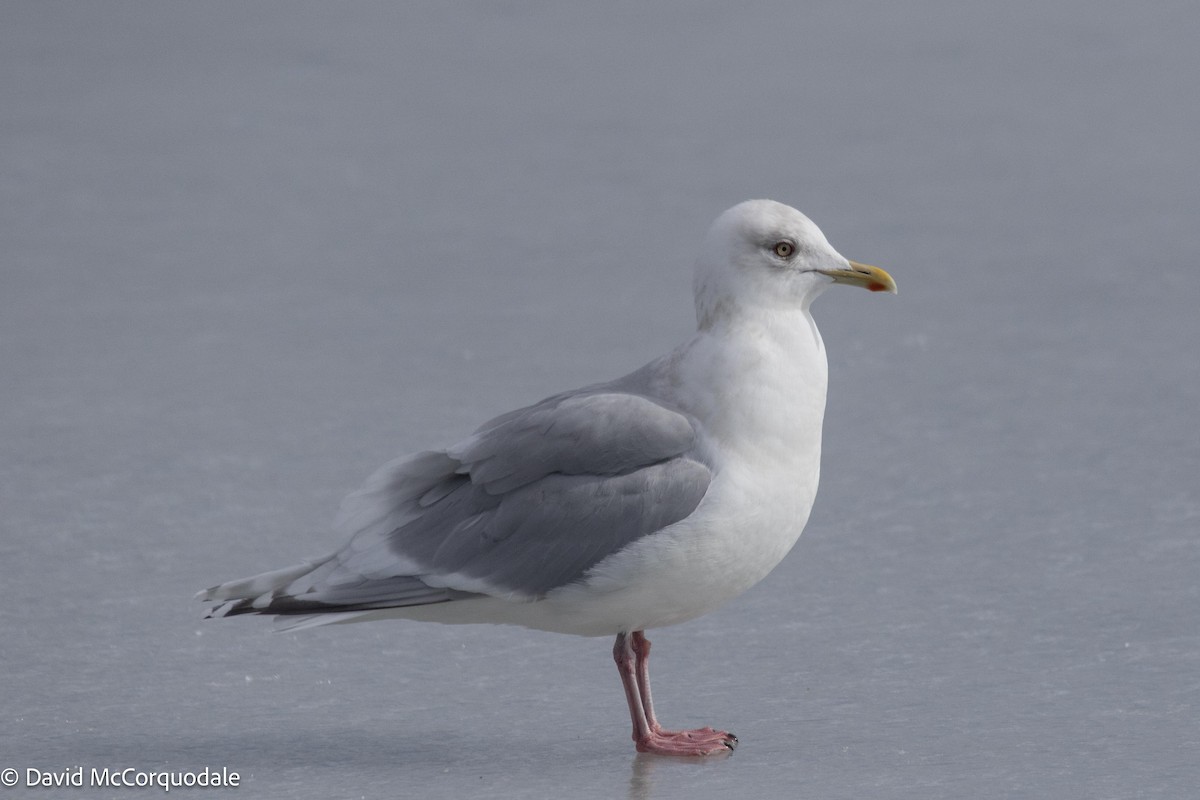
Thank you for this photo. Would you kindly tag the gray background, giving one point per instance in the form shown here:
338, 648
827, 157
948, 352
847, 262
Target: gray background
250, 251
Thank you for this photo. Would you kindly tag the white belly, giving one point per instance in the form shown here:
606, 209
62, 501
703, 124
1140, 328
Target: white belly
741, 531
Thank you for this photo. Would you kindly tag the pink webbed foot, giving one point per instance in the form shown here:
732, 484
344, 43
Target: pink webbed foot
698, 742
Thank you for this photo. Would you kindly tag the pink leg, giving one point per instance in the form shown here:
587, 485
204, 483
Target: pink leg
632, 654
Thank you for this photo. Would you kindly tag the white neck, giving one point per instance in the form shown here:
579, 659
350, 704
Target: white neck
766, 380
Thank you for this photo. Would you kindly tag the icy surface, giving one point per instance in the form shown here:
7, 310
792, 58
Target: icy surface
227, 229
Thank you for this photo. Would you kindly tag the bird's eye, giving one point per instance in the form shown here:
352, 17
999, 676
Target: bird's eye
785, 249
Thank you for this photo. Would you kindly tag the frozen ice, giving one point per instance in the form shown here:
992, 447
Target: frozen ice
229, 229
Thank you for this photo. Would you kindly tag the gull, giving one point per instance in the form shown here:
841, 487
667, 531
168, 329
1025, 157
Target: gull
623, 506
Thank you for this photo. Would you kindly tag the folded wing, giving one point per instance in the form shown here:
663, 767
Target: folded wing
527, 504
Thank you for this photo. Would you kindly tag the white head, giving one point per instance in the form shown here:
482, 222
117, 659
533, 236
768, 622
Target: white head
762, 255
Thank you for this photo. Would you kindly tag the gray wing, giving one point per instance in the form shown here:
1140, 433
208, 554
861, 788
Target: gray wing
533, 499
528, 503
